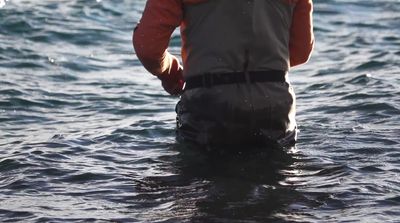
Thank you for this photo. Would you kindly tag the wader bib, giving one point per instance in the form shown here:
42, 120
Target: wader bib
236, 57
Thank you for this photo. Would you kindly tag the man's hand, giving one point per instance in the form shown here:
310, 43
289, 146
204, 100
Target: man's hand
173, 82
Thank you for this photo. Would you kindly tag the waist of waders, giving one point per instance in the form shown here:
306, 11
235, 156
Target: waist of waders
213, 79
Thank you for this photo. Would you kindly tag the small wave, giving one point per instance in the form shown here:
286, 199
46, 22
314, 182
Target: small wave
327, 71
136, 134
327, 11
320, 86
392, 200
103, 158
53, 172
81, 38
371, 65
9, 164
360, 80
10, 183
15, 102
379, 108
16, 26
363, 96
15, 216
86, 177
149, 128
63, 77
375, 26
11, 92
373, 169
370, 151
332, 172
80, 66
60, 102
23, 64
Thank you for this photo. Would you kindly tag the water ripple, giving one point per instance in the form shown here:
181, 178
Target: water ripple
87, 135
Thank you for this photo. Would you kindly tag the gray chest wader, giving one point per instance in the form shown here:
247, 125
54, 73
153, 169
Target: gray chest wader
236, 63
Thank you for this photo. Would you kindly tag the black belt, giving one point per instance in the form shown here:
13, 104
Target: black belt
213, 79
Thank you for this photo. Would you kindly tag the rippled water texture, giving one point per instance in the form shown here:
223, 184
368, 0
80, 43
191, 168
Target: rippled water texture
87, 135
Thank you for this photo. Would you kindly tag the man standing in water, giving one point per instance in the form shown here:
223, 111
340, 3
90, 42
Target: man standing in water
236, 55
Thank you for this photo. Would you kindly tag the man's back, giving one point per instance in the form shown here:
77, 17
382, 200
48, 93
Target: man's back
236, 55
235, 35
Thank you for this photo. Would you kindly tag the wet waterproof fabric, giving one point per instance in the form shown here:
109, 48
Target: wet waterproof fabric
238, 114
235, 35
223, 36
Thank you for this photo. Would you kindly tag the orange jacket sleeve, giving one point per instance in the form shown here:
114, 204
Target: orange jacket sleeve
301, 33
151, 38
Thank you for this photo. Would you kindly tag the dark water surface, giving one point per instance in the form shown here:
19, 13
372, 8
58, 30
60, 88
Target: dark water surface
86, 135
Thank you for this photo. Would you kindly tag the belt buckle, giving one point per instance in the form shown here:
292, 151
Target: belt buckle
207, 80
